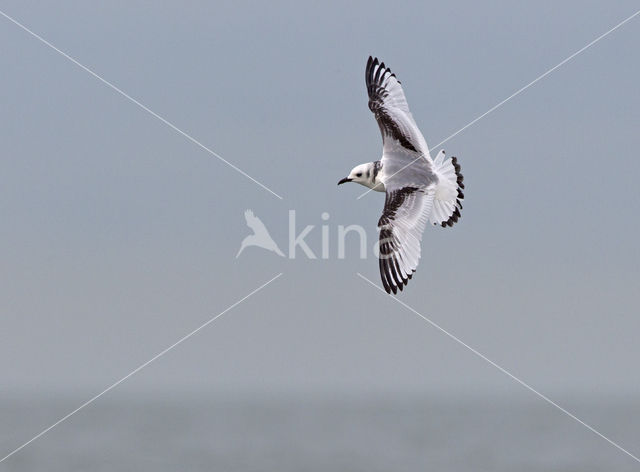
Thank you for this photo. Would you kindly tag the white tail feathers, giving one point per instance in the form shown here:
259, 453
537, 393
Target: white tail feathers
448, 193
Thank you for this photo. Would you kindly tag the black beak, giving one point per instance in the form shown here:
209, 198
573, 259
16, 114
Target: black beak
344, 181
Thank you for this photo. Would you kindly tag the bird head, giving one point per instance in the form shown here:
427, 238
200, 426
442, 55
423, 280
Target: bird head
361, 174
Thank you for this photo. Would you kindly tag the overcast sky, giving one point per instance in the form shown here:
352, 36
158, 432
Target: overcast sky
118, 236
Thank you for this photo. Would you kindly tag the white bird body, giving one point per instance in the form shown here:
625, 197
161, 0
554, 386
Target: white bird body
418, 189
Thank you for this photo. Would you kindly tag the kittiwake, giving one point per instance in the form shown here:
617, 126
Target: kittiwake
417, 187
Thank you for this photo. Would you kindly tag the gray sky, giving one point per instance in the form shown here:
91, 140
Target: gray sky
119, 236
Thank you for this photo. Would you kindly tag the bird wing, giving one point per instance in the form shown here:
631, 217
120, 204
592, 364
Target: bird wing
389, 105
403, 220
405, 158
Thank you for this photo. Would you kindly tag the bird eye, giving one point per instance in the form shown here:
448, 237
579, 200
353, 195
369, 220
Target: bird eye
359, 174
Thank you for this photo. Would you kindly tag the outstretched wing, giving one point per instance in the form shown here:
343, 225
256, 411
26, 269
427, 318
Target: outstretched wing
389, 105
405, 157
403, 220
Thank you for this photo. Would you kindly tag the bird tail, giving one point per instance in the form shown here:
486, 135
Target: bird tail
448, 193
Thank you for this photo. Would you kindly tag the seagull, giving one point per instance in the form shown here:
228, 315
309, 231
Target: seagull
260, 236
418, 188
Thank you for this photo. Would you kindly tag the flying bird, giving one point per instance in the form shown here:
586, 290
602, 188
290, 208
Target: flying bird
418, 188
260, 236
